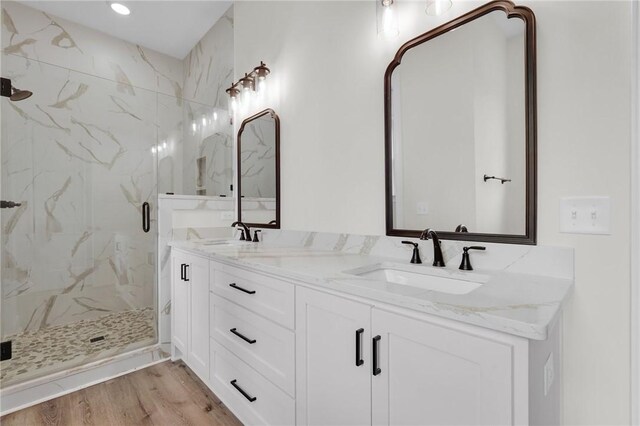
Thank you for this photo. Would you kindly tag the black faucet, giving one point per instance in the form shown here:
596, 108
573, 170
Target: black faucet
246, 231
465, 265
415, 257
461, 228
255, 236
430, 234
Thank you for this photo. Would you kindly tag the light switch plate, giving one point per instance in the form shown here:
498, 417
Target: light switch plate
585, 215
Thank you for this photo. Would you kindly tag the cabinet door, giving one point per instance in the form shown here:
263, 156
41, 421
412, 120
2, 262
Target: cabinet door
434, 375
331, 389
198, 279
179, 305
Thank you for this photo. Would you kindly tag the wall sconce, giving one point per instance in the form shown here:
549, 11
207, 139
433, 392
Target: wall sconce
437, 7
247, 87
387, 19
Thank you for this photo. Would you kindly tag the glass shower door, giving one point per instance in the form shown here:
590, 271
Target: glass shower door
78, 270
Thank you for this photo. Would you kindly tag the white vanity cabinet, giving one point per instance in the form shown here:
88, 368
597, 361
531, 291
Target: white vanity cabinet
376, 367
333, 353
190, 312
252, 361
278, 351
430, 374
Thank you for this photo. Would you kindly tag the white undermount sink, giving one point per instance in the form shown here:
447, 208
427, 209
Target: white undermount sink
423, 277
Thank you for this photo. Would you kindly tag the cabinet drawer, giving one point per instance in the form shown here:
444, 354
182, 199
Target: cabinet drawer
263, 295
271, 406
264, 345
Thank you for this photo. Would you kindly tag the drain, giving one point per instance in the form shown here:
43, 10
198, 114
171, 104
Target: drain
96, 339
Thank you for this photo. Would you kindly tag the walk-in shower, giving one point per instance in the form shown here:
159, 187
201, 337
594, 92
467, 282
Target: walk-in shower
78, 269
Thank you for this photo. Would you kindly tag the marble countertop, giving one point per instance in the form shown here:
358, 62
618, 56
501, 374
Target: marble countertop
519, 304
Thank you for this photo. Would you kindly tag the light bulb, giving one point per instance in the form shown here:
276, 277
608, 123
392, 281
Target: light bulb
246, 95
262, 85
388, 21
215, 116
164, 145
153, 149
204, 120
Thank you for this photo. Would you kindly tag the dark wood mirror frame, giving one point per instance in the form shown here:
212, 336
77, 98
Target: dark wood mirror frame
275, 117
512, 11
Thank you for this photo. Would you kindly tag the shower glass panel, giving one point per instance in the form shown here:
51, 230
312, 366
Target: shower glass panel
196, 148
78, 271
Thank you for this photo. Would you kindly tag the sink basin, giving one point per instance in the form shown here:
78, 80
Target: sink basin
423, 277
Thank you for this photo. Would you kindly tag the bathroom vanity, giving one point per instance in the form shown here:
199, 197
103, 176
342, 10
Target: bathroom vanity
327, 329
314, 329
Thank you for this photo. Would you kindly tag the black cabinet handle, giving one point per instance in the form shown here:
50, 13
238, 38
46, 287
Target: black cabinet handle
246, 339
242, 289
182, 265
146, 218
359, 360
239, 389
186, 277
376, 355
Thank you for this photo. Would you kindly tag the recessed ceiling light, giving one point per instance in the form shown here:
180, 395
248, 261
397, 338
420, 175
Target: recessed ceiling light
120, 8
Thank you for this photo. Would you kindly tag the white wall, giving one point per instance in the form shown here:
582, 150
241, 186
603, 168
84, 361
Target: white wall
328, 68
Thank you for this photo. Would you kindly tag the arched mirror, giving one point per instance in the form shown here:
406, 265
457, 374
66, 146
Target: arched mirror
460, 129
259, 170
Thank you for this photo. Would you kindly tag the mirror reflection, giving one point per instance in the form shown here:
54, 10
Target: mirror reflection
195, 148
458, 130
258, 164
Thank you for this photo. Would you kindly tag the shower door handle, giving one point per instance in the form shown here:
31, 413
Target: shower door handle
9, 204
146, 218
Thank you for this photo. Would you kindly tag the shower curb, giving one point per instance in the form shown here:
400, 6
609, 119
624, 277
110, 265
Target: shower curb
32, 392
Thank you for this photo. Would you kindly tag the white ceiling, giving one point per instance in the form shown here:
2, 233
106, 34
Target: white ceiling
172, 27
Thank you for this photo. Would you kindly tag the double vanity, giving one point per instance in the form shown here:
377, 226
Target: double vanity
328, 329
306, 328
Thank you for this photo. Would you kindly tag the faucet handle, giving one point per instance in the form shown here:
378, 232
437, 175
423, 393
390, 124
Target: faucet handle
242, 238
255, 236
465, 265
415, 257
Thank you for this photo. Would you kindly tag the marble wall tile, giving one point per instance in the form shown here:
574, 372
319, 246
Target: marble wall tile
204, 131
36, 35
208, 68
77, 154
83, 154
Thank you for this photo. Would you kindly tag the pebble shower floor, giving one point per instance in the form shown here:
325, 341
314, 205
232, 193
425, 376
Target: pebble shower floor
58, 348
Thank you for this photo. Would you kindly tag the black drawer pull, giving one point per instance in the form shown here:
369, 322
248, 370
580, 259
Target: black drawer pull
182, 265
242, 289
246, 339
246, 395
359, 360
376, 356
186, 278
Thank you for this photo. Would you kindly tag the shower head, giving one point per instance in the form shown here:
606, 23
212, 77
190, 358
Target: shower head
19, 95
13, 93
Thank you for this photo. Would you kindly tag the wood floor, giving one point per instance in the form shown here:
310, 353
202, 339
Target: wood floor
163, 394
